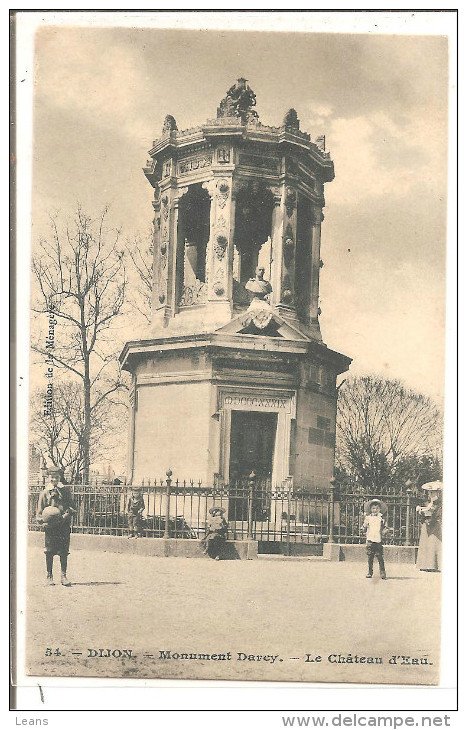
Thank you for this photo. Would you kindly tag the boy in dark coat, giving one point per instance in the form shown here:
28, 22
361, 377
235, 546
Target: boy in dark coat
135, 509
57, 531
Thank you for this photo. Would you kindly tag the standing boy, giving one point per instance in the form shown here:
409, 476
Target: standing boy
57, 531
135, 509
374, 526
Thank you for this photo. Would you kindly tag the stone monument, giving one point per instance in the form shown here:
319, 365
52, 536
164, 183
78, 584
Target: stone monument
234, 376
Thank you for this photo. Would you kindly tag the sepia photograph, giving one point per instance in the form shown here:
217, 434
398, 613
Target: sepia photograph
236, 283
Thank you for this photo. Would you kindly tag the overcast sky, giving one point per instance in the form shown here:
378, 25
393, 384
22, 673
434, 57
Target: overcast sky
101, 98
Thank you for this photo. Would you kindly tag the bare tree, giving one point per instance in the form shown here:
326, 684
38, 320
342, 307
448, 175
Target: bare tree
140, 251
384, 430
81, 282
58, 429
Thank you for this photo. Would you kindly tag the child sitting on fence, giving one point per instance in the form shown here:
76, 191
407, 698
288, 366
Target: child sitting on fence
216, 533
374, 526
135, 509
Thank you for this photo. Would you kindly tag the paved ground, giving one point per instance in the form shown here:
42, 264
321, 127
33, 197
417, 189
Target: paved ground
283, 608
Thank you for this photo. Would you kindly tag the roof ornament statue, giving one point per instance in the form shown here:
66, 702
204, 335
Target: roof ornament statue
291, 120
170, 125
239, 102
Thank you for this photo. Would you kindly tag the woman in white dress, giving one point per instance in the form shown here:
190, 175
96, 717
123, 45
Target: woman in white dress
429, 548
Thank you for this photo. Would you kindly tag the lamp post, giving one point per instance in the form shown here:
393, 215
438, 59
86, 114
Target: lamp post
331, 508
408, 492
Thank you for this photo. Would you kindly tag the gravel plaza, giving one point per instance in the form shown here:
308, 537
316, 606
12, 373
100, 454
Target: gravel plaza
270, 619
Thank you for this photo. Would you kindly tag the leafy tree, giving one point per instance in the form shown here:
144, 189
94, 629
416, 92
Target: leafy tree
386, 433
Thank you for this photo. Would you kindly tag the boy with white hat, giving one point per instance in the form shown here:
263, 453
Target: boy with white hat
374, 526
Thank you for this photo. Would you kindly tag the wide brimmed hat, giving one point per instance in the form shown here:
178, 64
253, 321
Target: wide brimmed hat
53, 469
216, 509
433, 486
368, 505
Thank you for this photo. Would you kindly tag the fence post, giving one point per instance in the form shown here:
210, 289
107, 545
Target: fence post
407, 516
289, 507
251, 492
167, 507
332, 508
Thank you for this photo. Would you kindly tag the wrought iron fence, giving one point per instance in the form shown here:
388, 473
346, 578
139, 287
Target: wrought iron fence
253, 510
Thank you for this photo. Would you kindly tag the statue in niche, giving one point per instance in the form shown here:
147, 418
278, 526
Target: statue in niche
258, 286
239, 102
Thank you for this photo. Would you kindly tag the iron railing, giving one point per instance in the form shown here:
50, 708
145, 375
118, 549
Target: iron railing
253, 510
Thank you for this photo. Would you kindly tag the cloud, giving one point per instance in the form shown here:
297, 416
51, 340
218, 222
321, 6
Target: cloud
378, 155
103, 84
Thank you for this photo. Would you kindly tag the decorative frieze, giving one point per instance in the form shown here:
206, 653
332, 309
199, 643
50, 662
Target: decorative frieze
256, 161
194, 163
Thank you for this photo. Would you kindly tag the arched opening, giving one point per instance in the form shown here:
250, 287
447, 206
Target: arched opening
253, 216
193, 236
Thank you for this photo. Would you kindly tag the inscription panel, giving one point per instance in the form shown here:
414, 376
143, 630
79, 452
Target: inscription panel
255, 401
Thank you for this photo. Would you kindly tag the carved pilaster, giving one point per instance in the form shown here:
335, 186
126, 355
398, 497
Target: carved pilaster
162, 253
284, 236
219, 252
157, 255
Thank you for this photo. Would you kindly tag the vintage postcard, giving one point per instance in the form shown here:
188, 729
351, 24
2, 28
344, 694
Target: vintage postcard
233, 467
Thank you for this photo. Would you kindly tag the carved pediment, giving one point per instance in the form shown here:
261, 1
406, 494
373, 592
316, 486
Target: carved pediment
276, 326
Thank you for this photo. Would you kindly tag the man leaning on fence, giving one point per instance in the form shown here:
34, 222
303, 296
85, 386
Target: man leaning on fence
54, 511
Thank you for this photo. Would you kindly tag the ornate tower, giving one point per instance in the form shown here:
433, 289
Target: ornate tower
234, 375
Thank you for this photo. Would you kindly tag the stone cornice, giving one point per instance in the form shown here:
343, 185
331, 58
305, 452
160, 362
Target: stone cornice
242, 343
232, 127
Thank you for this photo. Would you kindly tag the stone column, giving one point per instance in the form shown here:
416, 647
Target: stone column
276, 245
316, 220
176, 253
131, 440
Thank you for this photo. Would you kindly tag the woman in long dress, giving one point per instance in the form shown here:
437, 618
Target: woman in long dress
429, 549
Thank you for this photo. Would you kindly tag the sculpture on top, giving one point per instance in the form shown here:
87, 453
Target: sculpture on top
291, 120
170, 125
239, 102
